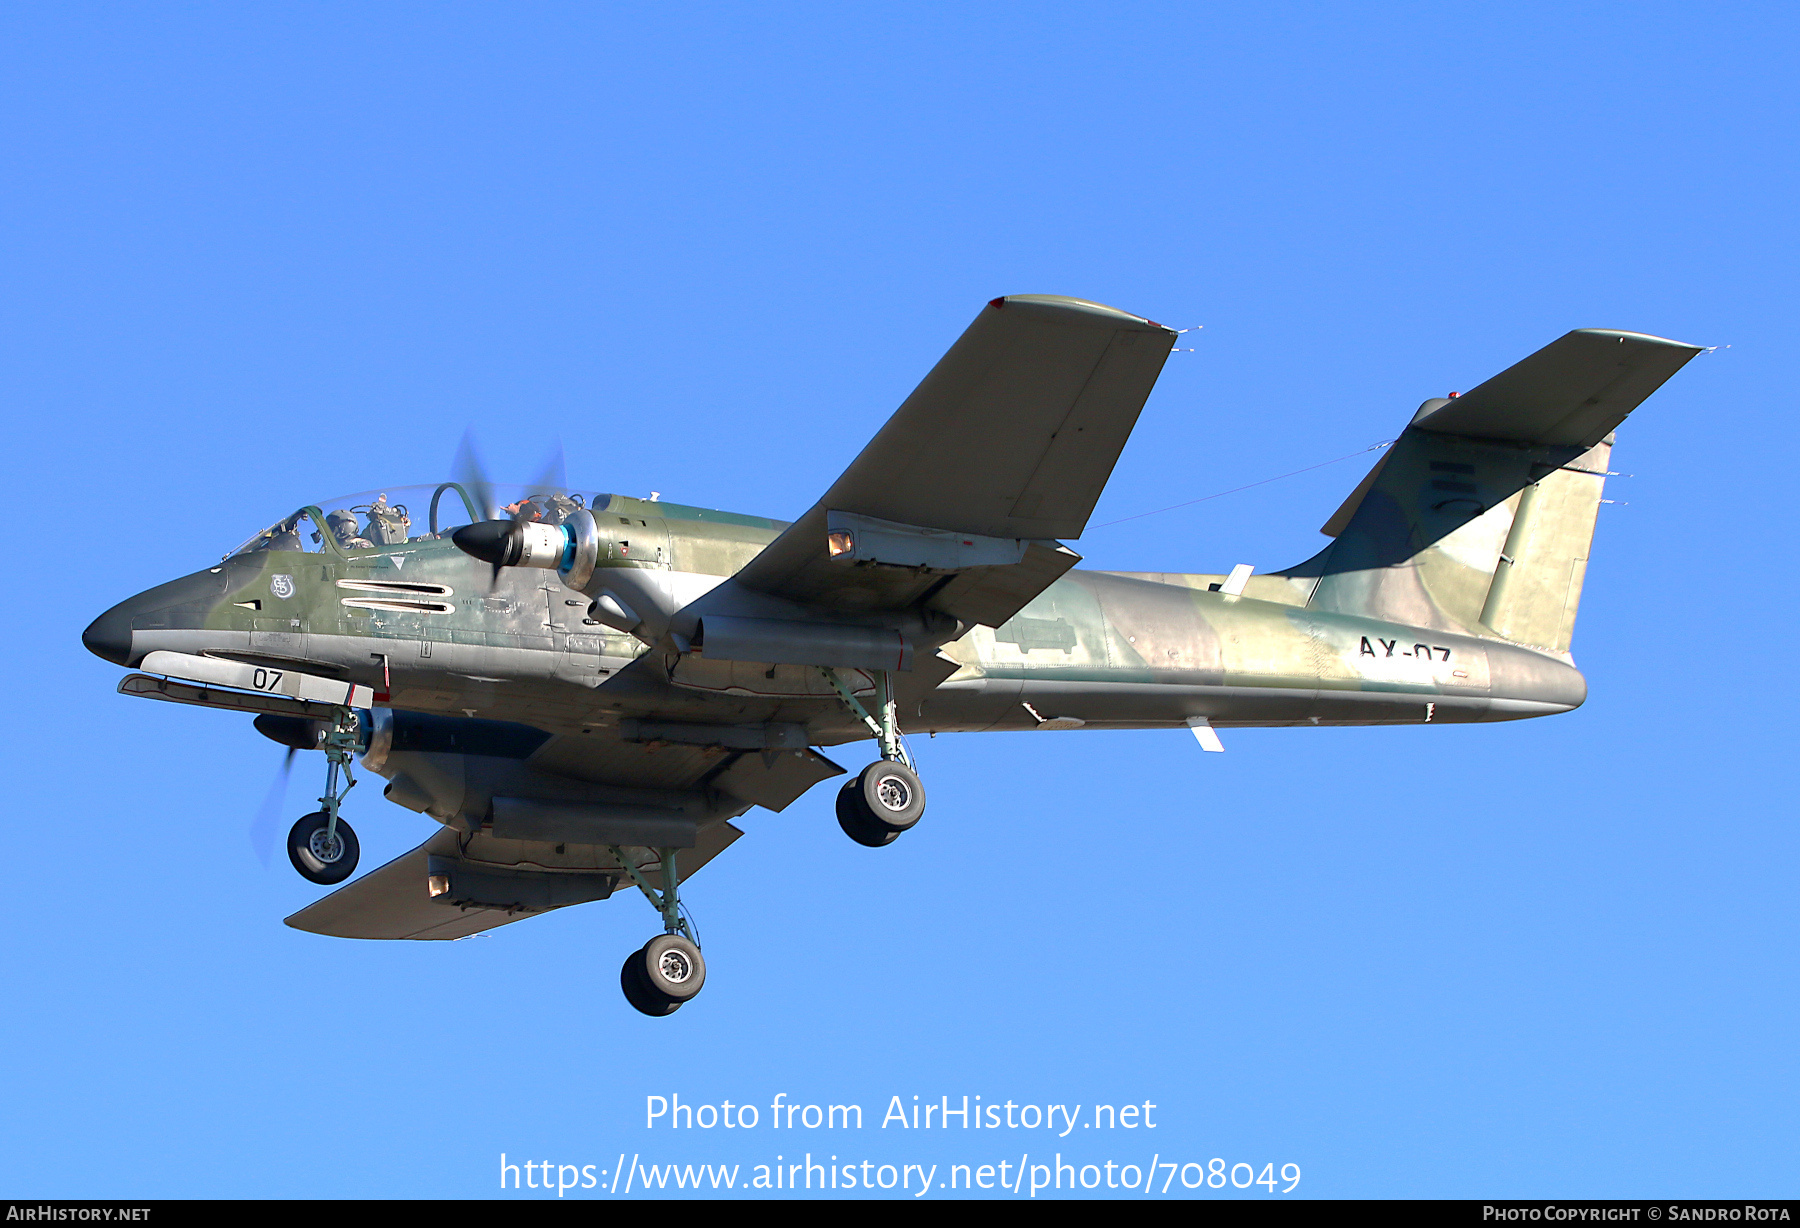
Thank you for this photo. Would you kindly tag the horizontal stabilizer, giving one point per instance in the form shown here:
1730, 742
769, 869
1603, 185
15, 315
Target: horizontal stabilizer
1479, 518
1571, 393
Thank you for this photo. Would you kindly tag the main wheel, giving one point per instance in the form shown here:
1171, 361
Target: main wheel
322, 858
672, 967
854, 817
885, 799
893, 794
638, 992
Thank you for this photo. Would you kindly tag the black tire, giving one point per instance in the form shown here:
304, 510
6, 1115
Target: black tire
638, 992
317, 860
857, 822
672, 967
891, 794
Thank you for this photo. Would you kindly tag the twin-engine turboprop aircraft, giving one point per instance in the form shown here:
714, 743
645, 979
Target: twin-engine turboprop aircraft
585, 690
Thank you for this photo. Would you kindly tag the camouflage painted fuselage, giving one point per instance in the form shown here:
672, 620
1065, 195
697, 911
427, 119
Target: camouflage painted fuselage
586, 689
441, 633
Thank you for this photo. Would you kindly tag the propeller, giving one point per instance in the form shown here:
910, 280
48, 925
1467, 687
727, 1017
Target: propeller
553, 477
499, 541
267, 824
468, 470
297, 733
489, 539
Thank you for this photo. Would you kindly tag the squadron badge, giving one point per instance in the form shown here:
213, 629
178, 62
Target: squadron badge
282, 586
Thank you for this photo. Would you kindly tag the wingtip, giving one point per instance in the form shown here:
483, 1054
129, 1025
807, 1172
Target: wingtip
1621, 334
1076, 309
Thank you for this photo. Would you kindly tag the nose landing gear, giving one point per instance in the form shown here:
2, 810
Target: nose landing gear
321, 845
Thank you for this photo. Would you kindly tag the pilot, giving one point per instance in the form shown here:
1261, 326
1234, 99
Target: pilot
525, 509
343, 527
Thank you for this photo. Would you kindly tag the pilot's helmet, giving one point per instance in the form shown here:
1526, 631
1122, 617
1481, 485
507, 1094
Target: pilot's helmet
343, 527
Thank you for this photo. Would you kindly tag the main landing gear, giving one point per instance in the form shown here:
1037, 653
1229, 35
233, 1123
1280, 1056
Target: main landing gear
321, 845
886, 798
668, 970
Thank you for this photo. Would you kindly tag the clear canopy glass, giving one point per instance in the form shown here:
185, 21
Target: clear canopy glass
376, 520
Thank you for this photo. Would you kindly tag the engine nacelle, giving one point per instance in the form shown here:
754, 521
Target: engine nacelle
788, 642
571, 548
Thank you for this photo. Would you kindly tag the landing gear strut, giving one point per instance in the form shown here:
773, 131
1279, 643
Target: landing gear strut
668, 970
887, 797
321, 845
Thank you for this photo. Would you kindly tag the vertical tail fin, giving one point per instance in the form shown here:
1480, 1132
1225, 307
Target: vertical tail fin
1479, 518
1537, 579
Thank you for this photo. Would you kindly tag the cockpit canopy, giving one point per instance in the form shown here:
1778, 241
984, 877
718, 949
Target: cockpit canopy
376, 520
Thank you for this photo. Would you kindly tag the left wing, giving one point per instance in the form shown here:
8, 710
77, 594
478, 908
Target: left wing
956, 504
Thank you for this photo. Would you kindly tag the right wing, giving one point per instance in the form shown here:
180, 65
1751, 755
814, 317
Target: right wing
487, 882
591, 790
1010, 438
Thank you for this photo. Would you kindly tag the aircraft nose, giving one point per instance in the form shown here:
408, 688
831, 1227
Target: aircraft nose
179, 603
109, 636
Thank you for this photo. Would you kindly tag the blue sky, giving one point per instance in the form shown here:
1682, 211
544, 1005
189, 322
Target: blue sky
259, 256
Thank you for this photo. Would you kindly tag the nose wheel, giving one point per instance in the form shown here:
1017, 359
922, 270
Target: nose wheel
321, 845
323, 852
